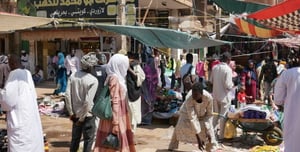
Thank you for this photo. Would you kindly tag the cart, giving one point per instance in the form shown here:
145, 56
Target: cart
271, 134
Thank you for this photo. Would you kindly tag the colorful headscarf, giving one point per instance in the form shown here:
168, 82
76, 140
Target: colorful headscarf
61, 59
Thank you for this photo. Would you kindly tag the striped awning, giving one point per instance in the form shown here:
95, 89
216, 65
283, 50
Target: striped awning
284, 16
254, 29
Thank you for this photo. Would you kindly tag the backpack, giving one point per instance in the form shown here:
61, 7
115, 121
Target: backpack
188, 80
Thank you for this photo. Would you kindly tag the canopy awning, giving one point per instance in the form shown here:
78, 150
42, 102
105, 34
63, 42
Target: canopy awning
11, 22
239, 7
284, 16
250, 27
161, 37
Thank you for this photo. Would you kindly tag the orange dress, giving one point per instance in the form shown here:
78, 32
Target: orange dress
120, 117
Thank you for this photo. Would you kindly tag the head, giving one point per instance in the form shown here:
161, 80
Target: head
189, 58
232, 65
88, 61
243, 88
23, 52
250, 64
132, 56
73, 51
226, 57
197, 92
181, 57
14, 62
3, 59
118, 64
101, 58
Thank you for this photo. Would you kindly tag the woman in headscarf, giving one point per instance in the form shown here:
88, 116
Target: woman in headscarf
249, 79
61, 76
119, 124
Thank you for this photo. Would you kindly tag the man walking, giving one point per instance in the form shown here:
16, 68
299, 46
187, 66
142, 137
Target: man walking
18, 99
221, 78
286, 93
81, 89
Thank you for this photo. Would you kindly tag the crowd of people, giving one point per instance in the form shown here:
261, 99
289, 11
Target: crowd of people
133, 87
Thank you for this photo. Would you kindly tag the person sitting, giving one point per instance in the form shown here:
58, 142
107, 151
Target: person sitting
38, 76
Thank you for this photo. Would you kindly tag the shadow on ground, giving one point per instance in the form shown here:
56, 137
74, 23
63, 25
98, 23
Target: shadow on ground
60, 144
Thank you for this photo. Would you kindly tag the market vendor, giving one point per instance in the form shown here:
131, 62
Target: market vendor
195, 121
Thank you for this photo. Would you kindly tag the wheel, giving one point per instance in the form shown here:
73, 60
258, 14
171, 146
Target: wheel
273, 137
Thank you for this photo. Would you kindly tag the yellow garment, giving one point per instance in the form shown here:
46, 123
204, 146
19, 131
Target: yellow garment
265, 148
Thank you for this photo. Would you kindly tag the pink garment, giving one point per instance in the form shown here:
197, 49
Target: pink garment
120, 118
215, 62
200, 69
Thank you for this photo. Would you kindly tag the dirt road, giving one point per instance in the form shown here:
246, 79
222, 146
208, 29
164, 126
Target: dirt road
150, 138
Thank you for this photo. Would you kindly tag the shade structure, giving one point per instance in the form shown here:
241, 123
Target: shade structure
161, 37
239, 7
250, 27
11, 22
284, 16
247, 26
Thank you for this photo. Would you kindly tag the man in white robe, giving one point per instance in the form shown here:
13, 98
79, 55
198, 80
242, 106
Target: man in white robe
18, 99
287, 93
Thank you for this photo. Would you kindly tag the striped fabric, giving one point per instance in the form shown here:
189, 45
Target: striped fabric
253, 29
284, 16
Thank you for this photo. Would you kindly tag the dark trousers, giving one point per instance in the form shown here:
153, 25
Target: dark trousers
87, 129
173, 81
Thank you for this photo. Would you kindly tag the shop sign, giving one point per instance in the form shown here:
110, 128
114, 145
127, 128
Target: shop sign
100, 9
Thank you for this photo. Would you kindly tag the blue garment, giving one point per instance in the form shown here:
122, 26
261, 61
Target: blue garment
61, 75
252, 73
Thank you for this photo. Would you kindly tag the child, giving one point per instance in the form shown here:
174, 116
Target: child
242, 97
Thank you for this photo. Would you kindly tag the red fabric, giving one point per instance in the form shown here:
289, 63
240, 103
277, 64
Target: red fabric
215, 62
200, 69
277, 10
241, 97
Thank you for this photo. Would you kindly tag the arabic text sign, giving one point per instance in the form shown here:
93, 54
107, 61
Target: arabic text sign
77, 8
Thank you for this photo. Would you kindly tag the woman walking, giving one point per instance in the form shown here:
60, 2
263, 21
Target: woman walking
119, 124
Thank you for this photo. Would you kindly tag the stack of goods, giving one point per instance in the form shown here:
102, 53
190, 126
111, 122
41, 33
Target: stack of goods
254, 114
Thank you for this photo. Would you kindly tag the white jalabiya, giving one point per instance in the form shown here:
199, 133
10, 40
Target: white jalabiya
135, 106
287, 93
24, 126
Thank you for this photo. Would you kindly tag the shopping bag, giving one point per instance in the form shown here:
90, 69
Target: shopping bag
111, 141
102, 108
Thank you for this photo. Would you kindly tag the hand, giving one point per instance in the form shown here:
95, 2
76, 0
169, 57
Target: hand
78, 123
200, 143
208, 137
73, 118
115, 129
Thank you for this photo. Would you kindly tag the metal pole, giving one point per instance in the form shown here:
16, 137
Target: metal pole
146, 13
122, 15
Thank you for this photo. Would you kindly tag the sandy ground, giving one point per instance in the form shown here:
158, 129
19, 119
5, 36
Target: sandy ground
150, 138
